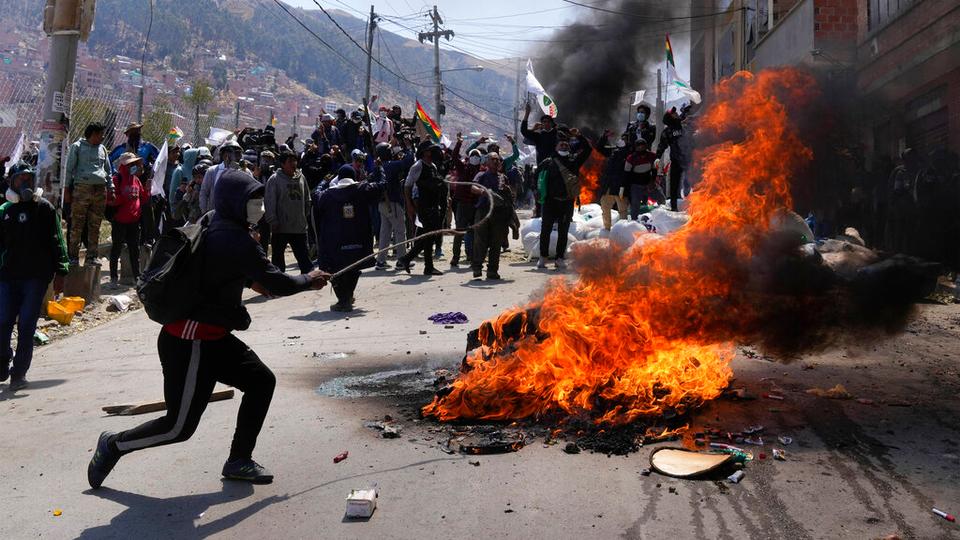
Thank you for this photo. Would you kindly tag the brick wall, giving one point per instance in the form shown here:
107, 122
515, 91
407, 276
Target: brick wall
837, 20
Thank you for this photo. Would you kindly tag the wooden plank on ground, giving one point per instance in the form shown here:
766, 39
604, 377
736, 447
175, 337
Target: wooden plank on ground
154, 406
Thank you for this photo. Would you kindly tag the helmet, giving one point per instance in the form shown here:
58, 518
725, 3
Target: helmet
383, 151
21, 167
201, 168
231, 144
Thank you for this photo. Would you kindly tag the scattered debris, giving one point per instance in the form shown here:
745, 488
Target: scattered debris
837, 392
495, 442
423, 332
779, 454
293, 337
120, 302
58, 512
752, 429
777, 397
341, 456
757, 441
736, 477
944, 515
452, 317
645, 472
361, 503
571, 448
40, 338
391, 431
784, 440
682, 463
474, 463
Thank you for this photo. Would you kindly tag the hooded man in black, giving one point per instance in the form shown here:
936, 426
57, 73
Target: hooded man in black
671, 138
200, 351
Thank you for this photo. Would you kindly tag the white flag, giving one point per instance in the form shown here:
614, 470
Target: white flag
534, 87
638, 97
159, 172
17, 153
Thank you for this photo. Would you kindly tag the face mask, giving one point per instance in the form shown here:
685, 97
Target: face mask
134, 170
255, 211
474, 160
642, 116
621, 143
12, 196
563, 153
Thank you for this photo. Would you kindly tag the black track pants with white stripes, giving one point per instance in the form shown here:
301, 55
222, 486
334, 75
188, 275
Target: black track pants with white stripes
191, 368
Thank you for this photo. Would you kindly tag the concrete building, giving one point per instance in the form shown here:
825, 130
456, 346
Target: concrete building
899, 58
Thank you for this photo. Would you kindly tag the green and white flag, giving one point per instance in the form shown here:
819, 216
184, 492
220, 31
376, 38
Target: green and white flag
674, 81
534, 87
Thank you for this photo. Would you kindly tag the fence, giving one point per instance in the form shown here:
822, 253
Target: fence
21, 103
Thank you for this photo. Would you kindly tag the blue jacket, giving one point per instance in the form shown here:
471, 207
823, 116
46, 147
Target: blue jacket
232, 258
395, 172
344, 227
147, 152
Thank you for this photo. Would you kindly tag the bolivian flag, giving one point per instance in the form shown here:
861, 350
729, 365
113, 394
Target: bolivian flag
428, 125
674, 81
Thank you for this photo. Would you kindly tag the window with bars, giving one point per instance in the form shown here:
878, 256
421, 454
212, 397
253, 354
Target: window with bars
880, 12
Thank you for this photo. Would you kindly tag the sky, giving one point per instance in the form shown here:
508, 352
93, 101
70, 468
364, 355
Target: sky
476, 32
488, 29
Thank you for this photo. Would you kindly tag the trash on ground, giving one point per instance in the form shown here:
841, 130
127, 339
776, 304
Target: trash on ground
837, 392
682, 463
341, 456
779, 454
777, 397
452, 317
120, 302
361, 502
40, 338
944, 515
784, 440
391, 431
736, 477
474, 463
58, 512
496, 442
571, 448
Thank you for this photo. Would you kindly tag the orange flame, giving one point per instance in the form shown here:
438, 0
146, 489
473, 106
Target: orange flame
590, 178
652, 328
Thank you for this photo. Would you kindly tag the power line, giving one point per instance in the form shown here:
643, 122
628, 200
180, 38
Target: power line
314, 34
653, 19
484, 109
361, 47
510, 16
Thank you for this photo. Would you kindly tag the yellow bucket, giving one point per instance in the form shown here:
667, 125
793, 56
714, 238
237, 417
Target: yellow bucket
59, 313
73, 304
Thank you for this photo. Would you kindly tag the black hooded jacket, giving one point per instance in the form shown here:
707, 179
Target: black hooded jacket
231, 258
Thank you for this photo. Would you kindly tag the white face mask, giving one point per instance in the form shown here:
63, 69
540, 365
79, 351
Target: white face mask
563, 153
621, 143
255, 211
641, 116
12, 196
474, 160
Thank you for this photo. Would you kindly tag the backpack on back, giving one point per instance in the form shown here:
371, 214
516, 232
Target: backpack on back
169, 288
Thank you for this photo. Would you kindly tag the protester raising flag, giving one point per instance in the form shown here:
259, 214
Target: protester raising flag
429, 126
638, 97
674, 81
534, 87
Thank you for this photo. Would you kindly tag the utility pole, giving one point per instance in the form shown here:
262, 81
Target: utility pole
296, 119
236, 115
371, 27
435, 37
66, 22
516, 106
143, 69
660, 106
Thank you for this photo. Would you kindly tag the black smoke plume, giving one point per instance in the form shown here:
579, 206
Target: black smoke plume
590, 66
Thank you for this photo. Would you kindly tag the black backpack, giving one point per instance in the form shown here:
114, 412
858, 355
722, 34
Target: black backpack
169, 288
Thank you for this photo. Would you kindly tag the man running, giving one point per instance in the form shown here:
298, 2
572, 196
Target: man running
200, 351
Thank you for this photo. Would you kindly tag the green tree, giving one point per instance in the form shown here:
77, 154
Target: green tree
157, 122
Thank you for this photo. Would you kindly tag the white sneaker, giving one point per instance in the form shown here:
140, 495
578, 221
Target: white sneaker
561, 264
541, 263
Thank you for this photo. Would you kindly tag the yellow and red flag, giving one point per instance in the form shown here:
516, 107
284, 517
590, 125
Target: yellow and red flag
431, 127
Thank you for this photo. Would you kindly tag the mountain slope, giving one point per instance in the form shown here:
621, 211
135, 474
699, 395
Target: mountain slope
260, 30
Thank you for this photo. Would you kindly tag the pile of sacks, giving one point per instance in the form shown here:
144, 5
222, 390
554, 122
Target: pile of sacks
588, 225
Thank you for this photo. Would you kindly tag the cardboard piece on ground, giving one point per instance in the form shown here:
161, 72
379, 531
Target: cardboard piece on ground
681, 463
154, 406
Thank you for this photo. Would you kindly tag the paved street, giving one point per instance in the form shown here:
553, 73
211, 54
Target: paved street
855, 469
